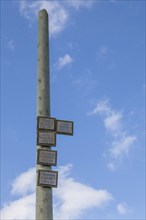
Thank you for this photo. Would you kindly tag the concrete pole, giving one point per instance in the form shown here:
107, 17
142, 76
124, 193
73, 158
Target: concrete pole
43, 195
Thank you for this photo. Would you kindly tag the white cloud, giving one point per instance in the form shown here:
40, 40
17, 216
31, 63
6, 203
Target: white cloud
103, 52
58, 15
65, 60
80, 3
102, 107
84, 197
58, 12
113, 123
106, 55
11, 45
122, 208
111, 166
85, 83
112, 119
19, 209
24, 183
122, 146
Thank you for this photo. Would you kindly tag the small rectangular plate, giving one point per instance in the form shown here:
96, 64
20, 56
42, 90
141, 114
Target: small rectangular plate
46, 138
47, 178
64, 127
45, 123
47, 157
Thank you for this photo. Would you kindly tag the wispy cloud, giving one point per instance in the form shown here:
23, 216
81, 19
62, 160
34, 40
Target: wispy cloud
103, 53
107, 55
84, 197
123, 208
80, 3
58, 15
64, 60
122, 146
11, 45
59, 12
113, 123
85, 81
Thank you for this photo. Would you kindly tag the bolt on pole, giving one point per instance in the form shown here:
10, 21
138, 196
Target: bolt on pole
44, 207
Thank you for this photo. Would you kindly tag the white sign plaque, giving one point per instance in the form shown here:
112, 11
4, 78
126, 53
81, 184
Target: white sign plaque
47, 157
64, 127
46, 138
47, 178
45, 123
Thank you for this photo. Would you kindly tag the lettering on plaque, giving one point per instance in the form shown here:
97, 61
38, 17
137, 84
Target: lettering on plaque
45, 123
47, 157
46, 138
47, 178
64, 127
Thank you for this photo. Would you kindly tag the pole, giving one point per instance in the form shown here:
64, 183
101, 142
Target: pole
43, 195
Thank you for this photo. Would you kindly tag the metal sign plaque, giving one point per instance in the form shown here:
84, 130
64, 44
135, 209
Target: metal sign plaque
47, 157
64, 127
46, 138
45, 123
47, 178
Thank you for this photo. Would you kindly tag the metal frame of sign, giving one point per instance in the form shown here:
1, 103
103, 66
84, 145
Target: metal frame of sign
47, 185
46, 144
48, 129
46, 163
61, 132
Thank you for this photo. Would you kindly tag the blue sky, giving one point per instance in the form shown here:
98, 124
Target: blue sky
97, 68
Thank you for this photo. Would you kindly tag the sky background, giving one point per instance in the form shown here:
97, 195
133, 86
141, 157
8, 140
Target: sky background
97, 72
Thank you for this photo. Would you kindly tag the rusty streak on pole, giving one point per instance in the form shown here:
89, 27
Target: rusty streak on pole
43, 195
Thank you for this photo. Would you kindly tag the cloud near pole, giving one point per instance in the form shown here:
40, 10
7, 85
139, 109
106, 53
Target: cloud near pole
72, 199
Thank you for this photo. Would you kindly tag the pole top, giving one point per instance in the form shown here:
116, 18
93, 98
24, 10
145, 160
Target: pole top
43, 12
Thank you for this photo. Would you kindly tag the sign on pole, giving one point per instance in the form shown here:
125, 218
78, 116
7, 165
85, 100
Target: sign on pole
47, 178
64, 127
45, 123
46, 138
47, 157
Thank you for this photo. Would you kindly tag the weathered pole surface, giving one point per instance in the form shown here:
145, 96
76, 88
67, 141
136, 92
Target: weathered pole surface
44, 210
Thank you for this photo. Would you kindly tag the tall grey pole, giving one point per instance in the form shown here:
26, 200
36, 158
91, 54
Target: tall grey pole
43, 195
